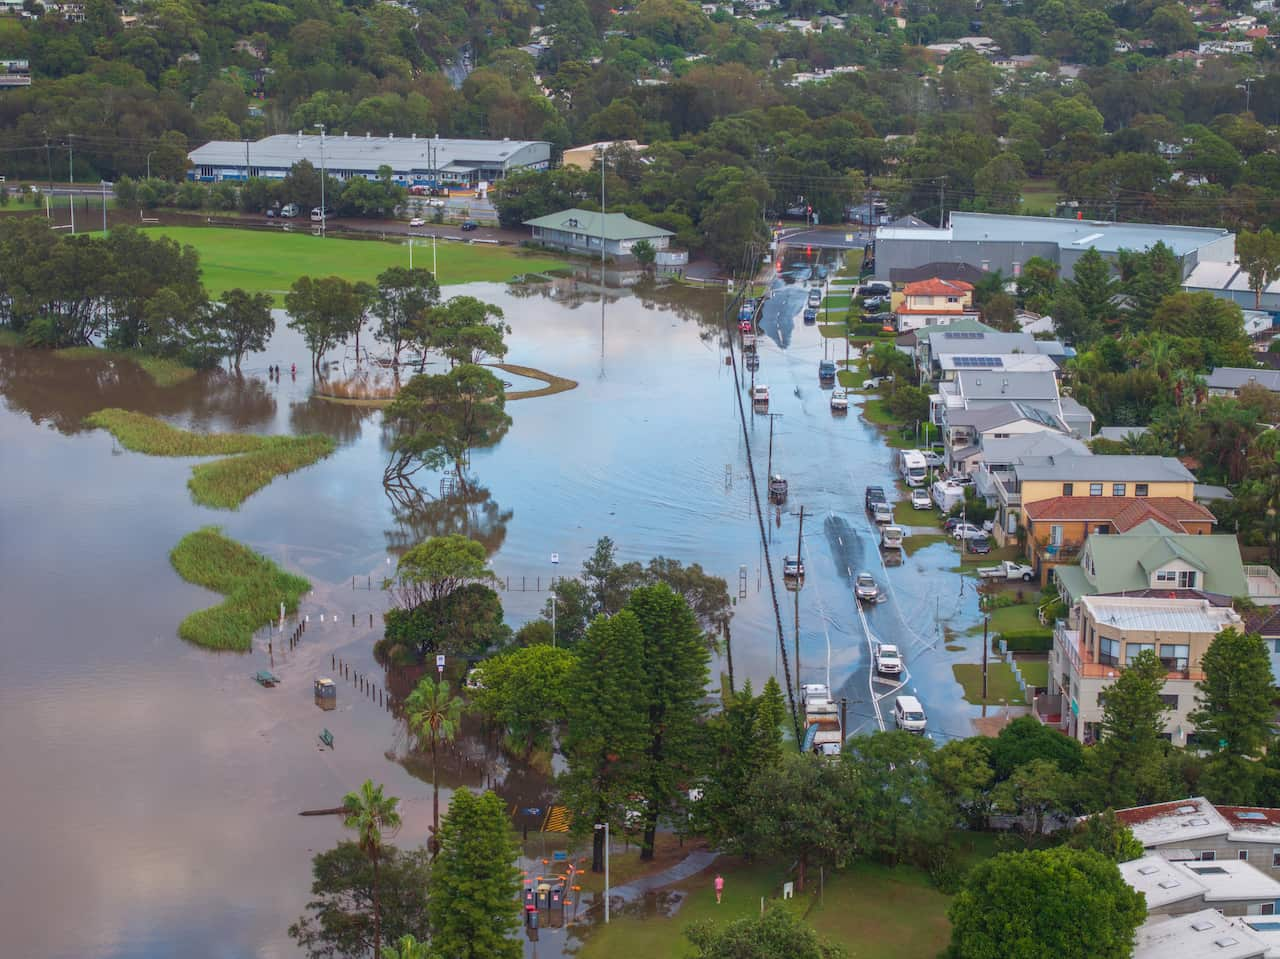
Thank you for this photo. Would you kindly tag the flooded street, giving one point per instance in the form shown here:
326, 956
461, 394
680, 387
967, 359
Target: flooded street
153, 788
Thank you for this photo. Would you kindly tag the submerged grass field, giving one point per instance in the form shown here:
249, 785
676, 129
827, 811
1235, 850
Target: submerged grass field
269, 262
254, 586
251, 461
163, 372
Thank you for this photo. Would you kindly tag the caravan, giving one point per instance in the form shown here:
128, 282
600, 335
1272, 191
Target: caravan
912, 466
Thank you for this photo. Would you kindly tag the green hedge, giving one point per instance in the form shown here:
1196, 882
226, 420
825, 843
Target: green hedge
866, 329
1028, 640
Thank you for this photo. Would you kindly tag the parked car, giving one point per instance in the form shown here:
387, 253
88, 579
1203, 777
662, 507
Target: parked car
883, 319
1008, 571
417, 221
908, 714
968, 531
891, 537
289, 210
792, 567
866, 588
933, 459
815, 298
920, 499
872, 304
810, 315
951, 523
469, 225
874, 494
888, 660
839, 401
271, 214
826, 371
875, 382
882, 513
978, 544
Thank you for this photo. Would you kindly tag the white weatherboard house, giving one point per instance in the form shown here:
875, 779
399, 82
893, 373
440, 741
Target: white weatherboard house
582, 231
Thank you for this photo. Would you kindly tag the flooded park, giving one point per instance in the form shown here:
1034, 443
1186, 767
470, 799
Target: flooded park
154, 789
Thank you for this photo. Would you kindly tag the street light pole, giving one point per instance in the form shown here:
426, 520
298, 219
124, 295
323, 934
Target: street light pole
104, 207
605, 827
323, 211
149, 164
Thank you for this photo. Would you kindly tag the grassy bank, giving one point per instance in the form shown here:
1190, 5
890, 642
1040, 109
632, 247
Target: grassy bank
1002, 687
269, 261
251, 462
253, 585
163, 372
851, 911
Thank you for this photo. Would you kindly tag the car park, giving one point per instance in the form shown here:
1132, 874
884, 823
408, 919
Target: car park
920, 499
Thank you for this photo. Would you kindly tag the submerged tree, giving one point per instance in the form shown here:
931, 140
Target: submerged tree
325, 311
401, 301
434, 715
437, 420
242, 323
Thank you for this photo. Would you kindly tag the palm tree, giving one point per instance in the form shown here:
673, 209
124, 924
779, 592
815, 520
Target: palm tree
407, 948
369, 813
434, 715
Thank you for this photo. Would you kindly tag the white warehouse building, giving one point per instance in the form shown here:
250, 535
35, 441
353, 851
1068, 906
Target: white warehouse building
414, 160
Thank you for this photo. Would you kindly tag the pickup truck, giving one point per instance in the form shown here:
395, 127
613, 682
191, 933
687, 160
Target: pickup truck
1008, 571
888, 660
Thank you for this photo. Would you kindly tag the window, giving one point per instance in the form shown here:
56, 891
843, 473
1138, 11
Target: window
1166, 576
1095, 489
1169, 699
1242, 855
1175, 656
953, 299
1275, 646
1187, 579
1267, 909
1068, 489
1108, 651
1131, 651
1117, 489
1139, 489
1207, 855
1275, 858
1055, 539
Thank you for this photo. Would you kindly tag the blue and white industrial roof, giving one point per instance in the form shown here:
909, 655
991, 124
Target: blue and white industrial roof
367, 153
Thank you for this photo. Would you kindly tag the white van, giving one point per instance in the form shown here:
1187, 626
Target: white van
289, 210
912, 466
908, 714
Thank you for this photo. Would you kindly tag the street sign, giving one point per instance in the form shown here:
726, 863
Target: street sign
439, 662
555, 558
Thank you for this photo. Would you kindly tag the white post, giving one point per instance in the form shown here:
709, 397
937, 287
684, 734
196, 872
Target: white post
411, 253
71, 201
606, 872
434, 271
553, 616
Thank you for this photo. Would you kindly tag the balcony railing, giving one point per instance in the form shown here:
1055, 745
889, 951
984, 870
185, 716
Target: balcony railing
1057, 553
1263, 582
1071, 648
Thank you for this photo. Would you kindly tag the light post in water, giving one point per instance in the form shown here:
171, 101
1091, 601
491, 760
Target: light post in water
323, 211
605, 827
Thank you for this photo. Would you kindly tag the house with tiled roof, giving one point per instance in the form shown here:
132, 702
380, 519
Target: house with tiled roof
934, 302
1197, 830
1058, 527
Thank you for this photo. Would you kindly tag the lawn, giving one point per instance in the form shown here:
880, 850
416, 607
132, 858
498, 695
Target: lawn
852, 264
1002, 687
268, 262
163, 371
1035, 670
1039, 195
904, 514
834, 331
853, 911
922, 540
254, 586
874, 411
1014, 617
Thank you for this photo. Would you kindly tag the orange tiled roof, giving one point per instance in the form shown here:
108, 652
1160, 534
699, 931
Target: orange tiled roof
1123, 512
937, 287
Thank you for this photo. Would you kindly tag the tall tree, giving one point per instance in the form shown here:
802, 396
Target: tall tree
1148, 277
1104, 833
1062, 902
434, 715
961, 771
1259, 256
1093, 286
1127, 766
437, 567
407, 947
465, 330
401, 302
474, 883
338, 923
242, 323
369, 813
1235, 714
325, 311
525, 693
607, 722
675, 678
1035, 789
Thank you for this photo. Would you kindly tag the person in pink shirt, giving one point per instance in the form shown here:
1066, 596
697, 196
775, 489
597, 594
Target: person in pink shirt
719, 887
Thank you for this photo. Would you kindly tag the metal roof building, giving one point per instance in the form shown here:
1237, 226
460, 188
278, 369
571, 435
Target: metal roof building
414, 160
992, 241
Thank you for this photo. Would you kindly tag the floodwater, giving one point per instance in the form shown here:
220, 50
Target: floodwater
152, 788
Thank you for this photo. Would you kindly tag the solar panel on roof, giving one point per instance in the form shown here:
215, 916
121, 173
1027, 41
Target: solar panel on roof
1250, 815
961, 335
978, 362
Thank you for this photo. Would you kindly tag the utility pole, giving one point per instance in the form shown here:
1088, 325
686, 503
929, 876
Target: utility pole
323, 212
71, 159
942, 202
48, 152
602, 158
769, 469
246, 161
799, 559
149, 164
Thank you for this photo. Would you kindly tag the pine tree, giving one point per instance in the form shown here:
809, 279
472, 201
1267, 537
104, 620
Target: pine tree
473, 906
1128, 764
1235, 713
607, 719
1093, 286
674, 673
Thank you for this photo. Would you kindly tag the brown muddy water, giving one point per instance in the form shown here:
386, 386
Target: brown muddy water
152, 789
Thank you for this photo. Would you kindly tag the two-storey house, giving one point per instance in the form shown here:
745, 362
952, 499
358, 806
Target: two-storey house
934, 302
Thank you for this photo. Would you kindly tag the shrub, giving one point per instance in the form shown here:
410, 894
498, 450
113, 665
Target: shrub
1028, 640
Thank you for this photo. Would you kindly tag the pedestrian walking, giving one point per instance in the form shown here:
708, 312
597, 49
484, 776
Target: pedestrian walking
719, 887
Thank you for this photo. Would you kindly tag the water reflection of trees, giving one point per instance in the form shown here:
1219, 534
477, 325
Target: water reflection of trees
342, 421
61, 392
581, 285
420, 515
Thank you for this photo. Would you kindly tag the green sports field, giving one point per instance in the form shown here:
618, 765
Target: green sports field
269, 262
